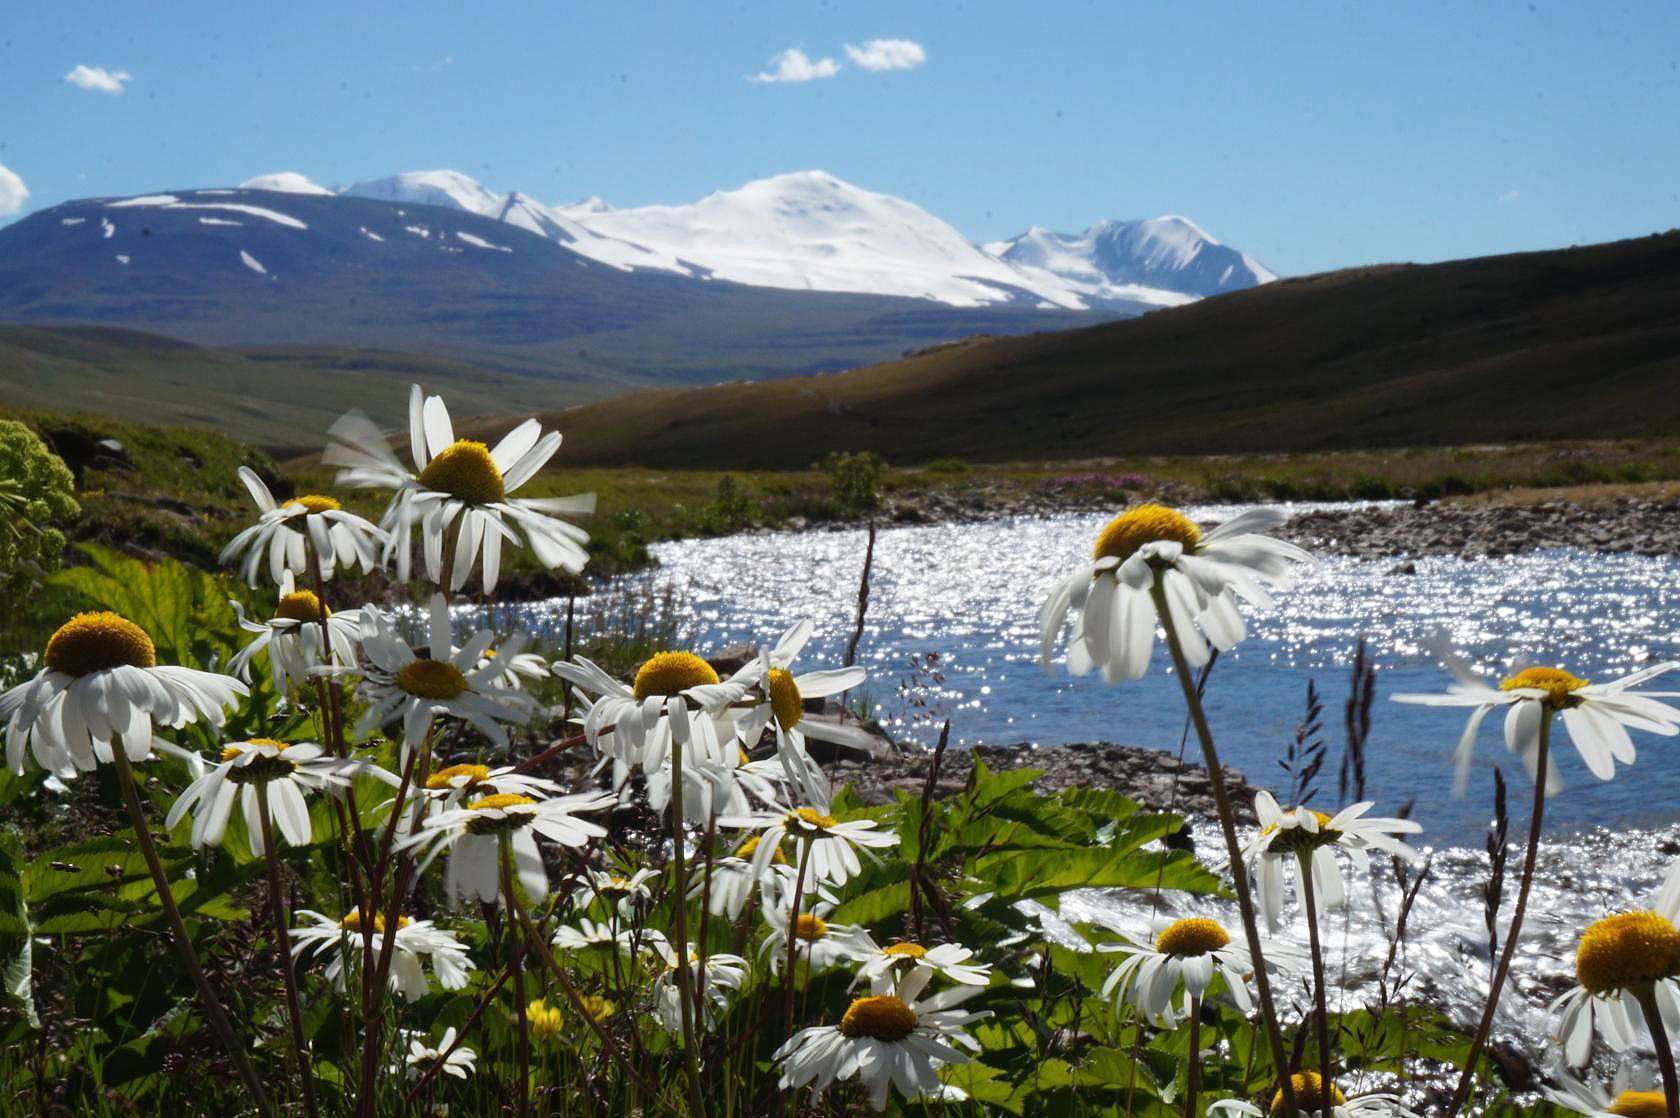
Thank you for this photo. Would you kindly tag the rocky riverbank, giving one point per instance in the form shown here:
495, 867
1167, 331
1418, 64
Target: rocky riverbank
1638, 526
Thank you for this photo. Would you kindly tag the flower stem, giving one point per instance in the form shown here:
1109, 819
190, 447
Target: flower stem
1665, 1054
1467, 1077
1322, 1014
213, 1011
516, 965
685, 974
282, 944
1193, 1071
1228, 824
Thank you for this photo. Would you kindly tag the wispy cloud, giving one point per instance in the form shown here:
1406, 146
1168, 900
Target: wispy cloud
887, 54
12, 191
98, 79
794, 65
1510, 196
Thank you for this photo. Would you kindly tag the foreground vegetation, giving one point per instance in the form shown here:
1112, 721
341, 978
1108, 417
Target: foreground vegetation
390, 866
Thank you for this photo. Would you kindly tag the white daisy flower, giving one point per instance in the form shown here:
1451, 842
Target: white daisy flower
460, 1063
458, 479
401, 686
621, 893
292, 638
833, 844
820, 943
1287, 836
415, 941
286, 769
886, 1040
1186, 953
101, 680
676, 697
781, 699
1619, 960
1597, 716
713, 985
452, 784
885, 967
1202, 576
587, 935
734, 881
1308, 1087
1633, 1091
284, 533
516, 669
472, 836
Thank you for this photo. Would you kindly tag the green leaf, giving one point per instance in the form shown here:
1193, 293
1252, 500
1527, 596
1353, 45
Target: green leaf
17, 944
1044, 874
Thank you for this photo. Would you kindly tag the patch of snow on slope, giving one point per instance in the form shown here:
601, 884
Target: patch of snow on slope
369, 234
143, 200
71, 220
812, 231
239, 207
252, 263
121, 259
480, 242
219, 221
1115, 259
286, 182
109, 229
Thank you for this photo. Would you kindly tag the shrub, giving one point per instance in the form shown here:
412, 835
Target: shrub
36, 489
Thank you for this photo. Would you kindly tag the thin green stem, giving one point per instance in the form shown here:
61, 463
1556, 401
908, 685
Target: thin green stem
516, 964
213, 1011
282, 944
1665, 1054
1193, 1070
1468, 1076
1322, 1014
685, 973
1228, 824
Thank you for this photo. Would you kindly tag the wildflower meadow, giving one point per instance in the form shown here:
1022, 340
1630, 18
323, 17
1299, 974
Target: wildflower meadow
270, 850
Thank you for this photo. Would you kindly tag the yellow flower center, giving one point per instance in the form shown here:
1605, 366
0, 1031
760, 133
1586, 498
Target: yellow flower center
314, 502
598, 1007
1559, 685
465, 471
92, 642
672, 673
1640, 1104
353, 922
884, 1018
1309, 1093
499, 802
1194, 935
1626, 950
808, 821
747, 849
486, 824
1145, 524
784, 699
446, 777
545, 1020
432, 679
905, 951
300, 605
234, 750
1299, 840
810, 927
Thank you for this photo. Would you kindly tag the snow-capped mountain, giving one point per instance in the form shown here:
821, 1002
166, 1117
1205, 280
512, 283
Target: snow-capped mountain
1116, 259
811, 231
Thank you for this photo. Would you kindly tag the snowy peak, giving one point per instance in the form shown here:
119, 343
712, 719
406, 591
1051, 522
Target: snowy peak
451, 189
284, 182
1168, 253
810, 230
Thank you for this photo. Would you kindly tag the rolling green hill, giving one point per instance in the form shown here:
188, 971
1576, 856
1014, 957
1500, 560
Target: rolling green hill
1571, 343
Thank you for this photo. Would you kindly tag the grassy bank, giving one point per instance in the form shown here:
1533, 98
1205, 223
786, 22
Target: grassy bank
172, 491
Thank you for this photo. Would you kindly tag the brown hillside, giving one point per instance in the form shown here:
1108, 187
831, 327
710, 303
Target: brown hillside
1580, 342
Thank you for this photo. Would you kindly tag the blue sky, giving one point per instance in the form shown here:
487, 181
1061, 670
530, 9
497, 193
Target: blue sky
1312, 136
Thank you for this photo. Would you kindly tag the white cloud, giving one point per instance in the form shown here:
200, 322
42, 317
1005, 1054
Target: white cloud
794, 65
1511, 196
887, 54
98, 79
12, 191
